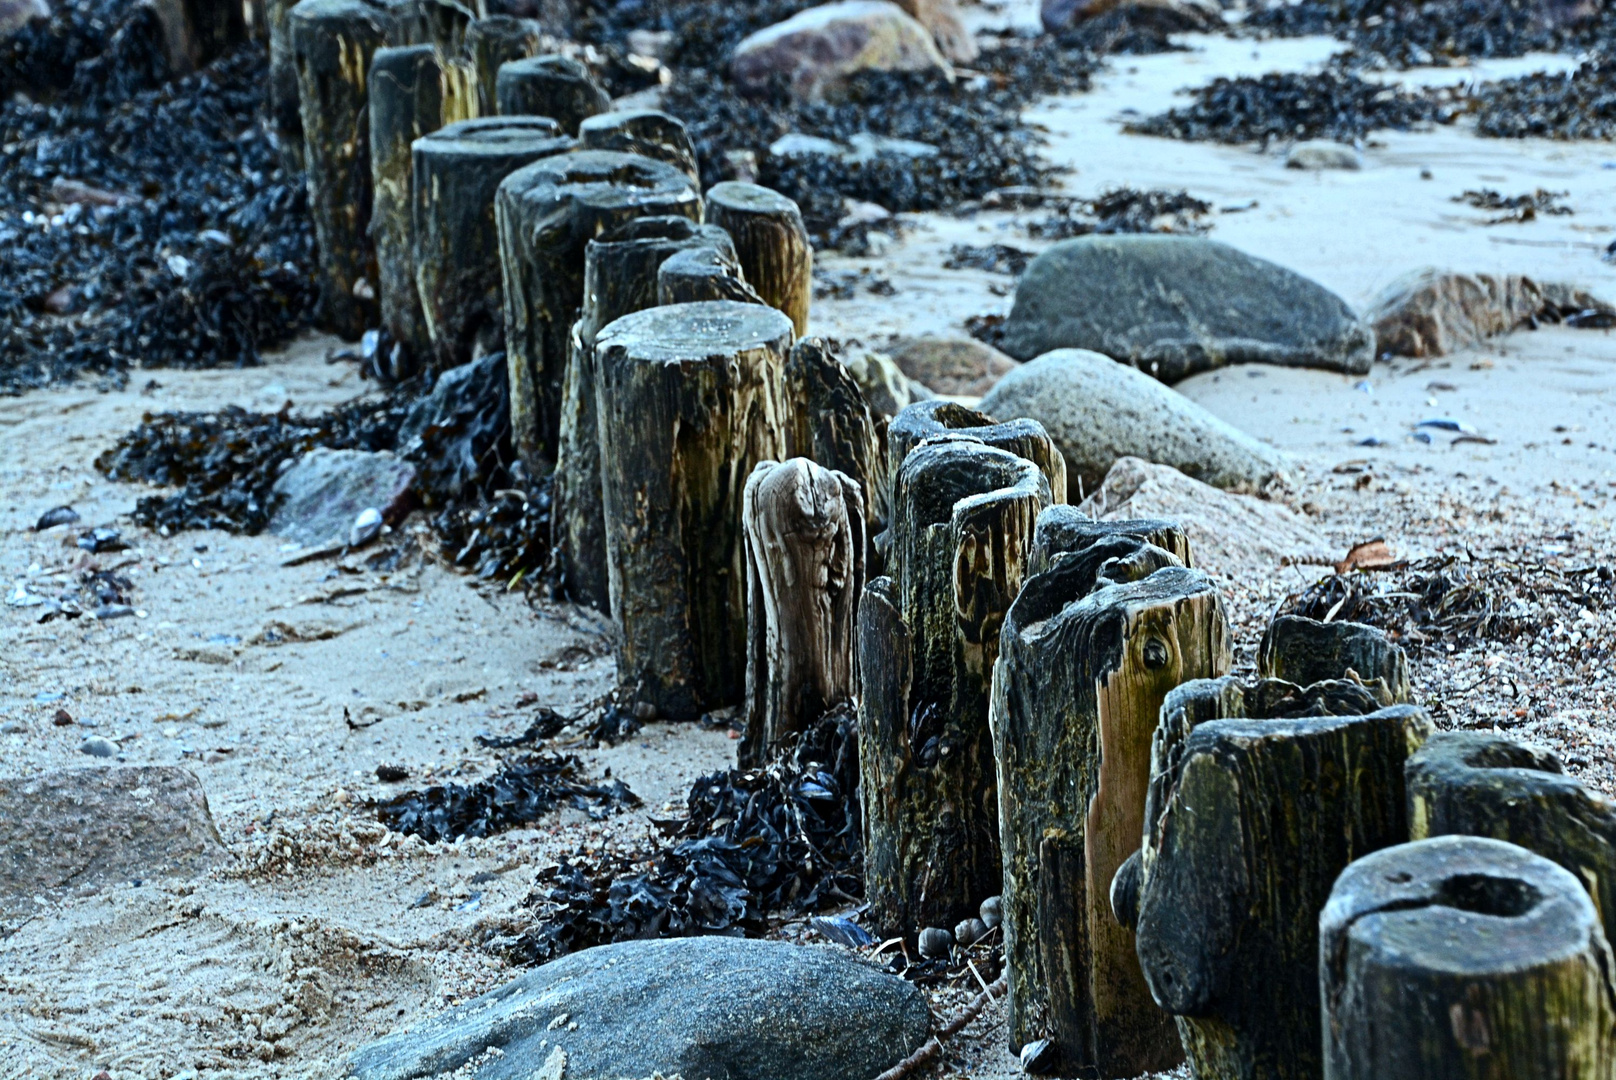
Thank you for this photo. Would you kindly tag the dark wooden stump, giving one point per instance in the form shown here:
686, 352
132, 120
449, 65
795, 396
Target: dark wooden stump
332, 43
620, 275
1481, 784
1091, 648
962, 518
493, 42
804, 573
547, 212
1260, 795
829, 422
406, 102
457, 271
647, 132
703, 274
285, 119
690, 400
1023, 437
773, 245
555, 86
1304, 651
1461, 958
197, 32
1065, 528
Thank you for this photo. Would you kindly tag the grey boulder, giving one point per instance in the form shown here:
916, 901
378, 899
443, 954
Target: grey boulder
318, 498
711, 1007
1176, 305
1099, 411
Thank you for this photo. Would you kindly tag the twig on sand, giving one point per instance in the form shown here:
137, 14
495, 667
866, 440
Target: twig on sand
933, 1047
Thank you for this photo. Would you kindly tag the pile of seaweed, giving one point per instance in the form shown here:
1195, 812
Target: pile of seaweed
1333, 104
756, 844
520, 793
141, 222
1575, 105
1126, 210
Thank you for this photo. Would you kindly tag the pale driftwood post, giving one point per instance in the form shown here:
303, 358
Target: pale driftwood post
406, 102
285, 119
703, 274
620, 276
647, 132
332, 43
773, 245
1260, 795
1304, 651
457, 273
555, 86
1091, 647
928, 419
547, 212
491, 43
804, 573
830, 423
1464, 957
1481, 784
690, 401
962, 519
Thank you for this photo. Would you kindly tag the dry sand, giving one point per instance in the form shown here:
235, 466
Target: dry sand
326, 930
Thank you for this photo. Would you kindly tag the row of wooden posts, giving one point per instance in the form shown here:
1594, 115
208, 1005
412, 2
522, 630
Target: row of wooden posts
1282, 878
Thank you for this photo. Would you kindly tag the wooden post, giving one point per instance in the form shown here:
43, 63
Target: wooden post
1260, 795
547, 212
457, 274
1304, 651
962, 518
332, 43
1464, 957
1481, 784
406, 102
690, 401
491, 43
647, 132
772, 243
1065, 528
804, 573
555, 86
620, 275
829, 423
1091, 647
703, 274
1022, 437
285, 119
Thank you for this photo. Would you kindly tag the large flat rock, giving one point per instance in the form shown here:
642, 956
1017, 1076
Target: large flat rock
320, 495
713, 1007
1176, 305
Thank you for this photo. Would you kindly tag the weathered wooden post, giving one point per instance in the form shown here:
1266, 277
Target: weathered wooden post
491, 43
555, 86
1260, 794
1464, 957
647, 132
620, 276
406, 102
1023, 437
547, 212
1090, 649
285, 119
457, 273
829, 423
703, 274
804, 573
1065, 528
332, 45
1305, 651
690, 401
771, 242
961, 520
1480, 784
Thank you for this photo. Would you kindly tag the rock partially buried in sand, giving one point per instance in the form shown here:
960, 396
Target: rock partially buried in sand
319, 497
85, 827
1176, 305
887, 390
1321, 154
696, 1007
1432, 312
1099, 411
814, 50
957, 366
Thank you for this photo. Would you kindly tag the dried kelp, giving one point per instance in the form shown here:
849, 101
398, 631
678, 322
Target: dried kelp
1126, 210
505, 537
757, 844
1574, 105
994, 258
520, 793
1517, 208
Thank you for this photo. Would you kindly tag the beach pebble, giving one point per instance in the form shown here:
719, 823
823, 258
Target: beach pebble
935, 942
1321, 154
970, 931
98, 746
992, 911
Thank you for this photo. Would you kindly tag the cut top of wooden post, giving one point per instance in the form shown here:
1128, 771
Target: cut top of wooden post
551, 85
649, 132
498, 138
694, 333
1065, 528
1023, 437
621, 266
1305, 651
772, 243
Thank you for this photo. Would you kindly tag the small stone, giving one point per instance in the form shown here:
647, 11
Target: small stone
98, 746
886, 388
366, 527
62, 718
61, 515
970, 931
644, 711
957, 366
1319, 154
935, 942
1038, 1057
392, 774
992, 911
12, 727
